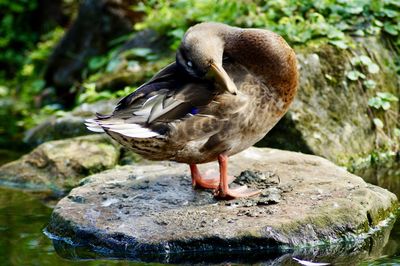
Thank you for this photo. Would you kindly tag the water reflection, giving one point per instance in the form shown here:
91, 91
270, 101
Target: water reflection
349, 253
387, 177
22, 242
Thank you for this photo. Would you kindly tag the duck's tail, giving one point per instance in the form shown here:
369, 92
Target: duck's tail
94, 126
106, 124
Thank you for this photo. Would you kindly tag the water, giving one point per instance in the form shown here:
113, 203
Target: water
22, 242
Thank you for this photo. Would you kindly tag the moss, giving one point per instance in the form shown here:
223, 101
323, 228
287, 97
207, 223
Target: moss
330, 225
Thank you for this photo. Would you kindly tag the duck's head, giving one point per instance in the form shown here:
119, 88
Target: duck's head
201, 54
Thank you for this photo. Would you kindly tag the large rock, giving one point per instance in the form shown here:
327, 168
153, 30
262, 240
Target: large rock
58, 166
140, 211
330, 116
71, 124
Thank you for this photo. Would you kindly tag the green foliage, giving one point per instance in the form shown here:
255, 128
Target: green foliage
297, 21
139, 62
355, 75
17, 107
364, 60
362, 65
382, 100
382, 111
16, 34
90, 94
30, 76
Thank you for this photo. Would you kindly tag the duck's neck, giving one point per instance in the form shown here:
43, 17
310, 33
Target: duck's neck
267, 56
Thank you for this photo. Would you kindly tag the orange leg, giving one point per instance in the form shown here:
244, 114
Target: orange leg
199, 182
223, 189
208, 183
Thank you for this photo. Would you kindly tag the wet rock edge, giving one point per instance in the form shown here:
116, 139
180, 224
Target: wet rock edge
66, 235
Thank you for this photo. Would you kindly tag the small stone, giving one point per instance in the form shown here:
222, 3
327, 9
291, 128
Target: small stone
77, 199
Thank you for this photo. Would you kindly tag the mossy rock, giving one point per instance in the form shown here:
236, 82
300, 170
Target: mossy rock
330, 116
58, 166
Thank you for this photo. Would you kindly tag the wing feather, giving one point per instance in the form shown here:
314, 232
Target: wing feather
170, 96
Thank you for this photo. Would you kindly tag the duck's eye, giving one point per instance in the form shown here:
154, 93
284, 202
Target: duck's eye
189, 63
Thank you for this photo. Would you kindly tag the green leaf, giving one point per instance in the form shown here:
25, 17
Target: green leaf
365, 60
329, 77
38, 85
340, 44
378, 23
90, 86
385, 105
387, 96
390, 28
373, 68
378, 123
396, 132
354, 9
355, 61
370, 84
375, 102
140, 52
334, 33
97, 62
359, 32
3, 91
389, 12
353, 75
113, 64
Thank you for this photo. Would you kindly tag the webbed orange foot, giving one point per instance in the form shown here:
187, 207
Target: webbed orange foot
237, 192
223, 191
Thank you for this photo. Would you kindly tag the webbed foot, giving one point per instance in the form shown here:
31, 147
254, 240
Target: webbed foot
224, 191
237, 192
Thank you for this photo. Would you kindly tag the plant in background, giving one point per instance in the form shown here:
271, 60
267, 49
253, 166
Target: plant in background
90, 94
359, 64
16, 35
17, 106
382, 101
30, 75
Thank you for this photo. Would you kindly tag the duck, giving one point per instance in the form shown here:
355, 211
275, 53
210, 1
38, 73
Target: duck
227, 88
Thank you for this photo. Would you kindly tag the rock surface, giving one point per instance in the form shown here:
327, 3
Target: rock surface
58, 166
330, 116
137, 211
68, 126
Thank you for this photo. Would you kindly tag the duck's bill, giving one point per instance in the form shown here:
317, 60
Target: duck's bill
223, 78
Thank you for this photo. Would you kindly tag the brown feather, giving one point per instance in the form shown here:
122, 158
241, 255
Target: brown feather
194, 116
